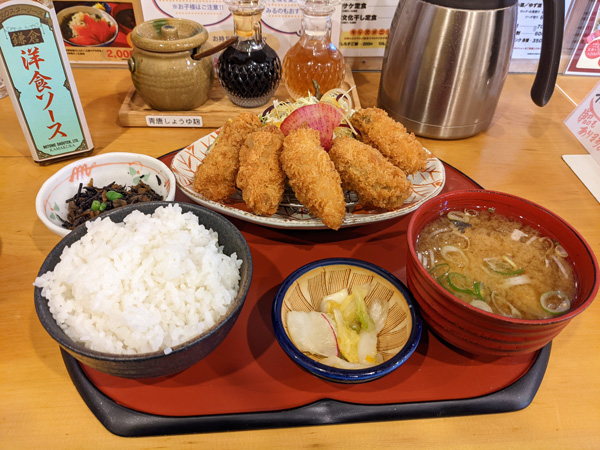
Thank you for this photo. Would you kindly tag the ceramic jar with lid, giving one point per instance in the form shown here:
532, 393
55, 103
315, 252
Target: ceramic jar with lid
163, 68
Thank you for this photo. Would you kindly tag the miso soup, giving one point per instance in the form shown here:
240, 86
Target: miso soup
498, 264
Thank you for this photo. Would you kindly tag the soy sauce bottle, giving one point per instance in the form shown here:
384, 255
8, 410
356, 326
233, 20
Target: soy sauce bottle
249, 70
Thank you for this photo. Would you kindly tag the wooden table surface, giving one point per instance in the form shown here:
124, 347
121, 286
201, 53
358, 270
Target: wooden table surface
520, 154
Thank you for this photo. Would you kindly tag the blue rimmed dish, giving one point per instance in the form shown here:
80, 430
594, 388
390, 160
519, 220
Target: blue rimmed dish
304, 289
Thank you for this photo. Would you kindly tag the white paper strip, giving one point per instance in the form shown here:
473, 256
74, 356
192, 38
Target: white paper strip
588, 171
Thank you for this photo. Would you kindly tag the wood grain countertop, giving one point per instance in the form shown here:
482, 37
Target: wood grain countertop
520, 154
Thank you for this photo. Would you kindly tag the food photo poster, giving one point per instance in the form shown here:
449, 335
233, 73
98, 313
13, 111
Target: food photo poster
96, 32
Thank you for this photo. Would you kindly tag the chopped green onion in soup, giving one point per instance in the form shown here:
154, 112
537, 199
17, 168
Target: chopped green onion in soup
507, 265
555, 302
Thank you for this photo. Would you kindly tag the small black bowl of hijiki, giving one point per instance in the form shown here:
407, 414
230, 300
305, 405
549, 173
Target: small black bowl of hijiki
89, 187
145, 290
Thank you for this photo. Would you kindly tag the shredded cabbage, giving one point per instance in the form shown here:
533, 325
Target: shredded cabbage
339, 98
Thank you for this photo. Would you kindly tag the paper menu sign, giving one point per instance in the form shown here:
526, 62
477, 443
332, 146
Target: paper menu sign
365, 27
584, 122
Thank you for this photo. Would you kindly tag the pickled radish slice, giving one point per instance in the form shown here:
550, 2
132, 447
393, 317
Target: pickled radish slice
322, 117
312, 332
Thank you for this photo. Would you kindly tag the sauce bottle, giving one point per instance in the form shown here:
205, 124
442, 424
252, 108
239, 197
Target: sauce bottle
249, 70
314, 56
39, 81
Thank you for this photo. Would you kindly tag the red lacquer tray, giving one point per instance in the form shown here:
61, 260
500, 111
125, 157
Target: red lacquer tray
248, 382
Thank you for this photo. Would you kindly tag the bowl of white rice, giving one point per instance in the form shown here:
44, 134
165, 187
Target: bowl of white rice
145, 290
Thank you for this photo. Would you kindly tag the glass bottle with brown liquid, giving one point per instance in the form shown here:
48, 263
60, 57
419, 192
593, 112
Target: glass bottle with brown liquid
314, 56
249, 70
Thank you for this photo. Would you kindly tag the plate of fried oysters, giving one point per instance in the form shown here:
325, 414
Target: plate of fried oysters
371, 170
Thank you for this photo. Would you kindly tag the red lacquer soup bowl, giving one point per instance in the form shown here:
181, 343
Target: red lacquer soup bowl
475, 330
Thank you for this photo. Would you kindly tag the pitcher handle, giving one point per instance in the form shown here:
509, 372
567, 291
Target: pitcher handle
552, 38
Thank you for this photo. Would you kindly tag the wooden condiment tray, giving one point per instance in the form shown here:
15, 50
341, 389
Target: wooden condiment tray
214, 113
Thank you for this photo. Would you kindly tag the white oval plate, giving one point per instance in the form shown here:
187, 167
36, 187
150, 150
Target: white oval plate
426, 184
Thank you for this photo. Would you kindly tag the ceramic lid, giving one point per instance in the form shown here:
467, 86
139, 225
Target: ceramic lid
168, 35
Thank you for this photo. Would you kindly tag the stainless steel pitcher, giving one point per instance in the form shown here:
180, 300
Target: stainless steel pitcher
446, 62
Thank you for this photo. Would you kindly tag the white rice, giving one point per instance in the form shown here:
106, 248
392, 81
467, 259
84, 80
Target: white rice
146, 284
